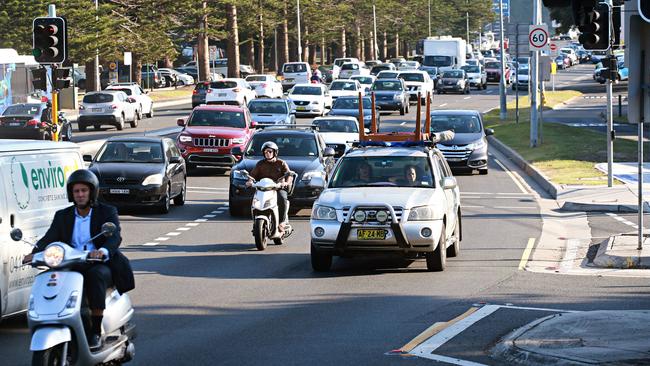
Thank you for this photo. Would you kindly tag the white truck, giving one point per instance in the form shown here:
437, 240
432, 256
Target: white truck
444, 53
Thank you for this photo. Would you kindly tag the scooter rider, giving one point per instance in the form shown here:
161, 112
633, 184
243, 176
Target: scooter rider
273, 168
75, 225
316, 75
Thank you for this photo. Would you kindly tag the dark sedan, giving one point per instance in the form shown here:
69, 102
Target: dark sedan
305, 152
391, 94
140, 171
349, 106
31, 121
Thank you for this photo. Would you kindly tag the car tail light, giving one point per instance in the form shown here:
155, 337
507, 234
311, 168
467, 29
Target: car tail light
32, 122
209, 91
43, 124
81, 107
195, 92
236, 90
114, 106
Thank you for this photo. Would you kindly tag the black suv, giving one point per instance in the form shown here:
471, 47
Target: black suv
303, 149
198, 95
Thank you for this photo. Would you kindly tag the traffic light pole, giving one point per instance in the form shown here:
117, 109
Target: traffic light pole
610, 111
55, 114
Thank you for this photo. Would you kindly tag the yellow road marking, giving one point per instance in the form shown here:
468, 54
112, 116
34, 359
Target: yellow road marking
434, 329
513, 175
524, 257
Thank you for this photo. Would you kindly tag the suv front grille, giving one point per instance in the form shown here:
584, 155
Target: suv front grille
121, 181
301, 102
460, 153
371, 211
210, 142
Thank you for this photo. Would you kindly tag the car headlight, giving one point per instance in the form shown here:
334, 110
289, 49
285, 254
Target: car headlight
476, 145
236, 174
323, 213
238, 140
185, 138
310, 174
315, 102
459, 82
397, 97
422, 213
53, 255
156, 179
280, 121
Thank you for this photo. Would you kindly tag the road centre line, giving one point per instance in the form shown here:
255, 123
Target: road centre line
150, 244
512, 176
466, 97
173, 233
526, 254
442, 105
192, 224
162, 238
183, 229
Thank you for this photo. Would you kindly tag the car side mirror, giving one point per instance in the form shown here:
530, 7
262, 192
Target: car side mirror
16, 234
88, 158
254, 124
316, 182
236, 150
449, 183
366, 130
181, 122
108, 229
175, 159
328, 152
293, 111
489, 132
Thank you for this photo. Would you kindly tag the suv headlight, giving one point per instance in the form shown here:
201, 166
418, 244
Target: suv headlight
310, 174
185, 138
156, 179
476, 145
53, 255
397, 97
238, 140
236, 174
422, 213
323, 213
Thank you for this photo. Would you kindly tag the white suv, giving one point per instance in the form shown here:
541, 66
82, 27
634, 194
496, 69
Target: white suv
144, 102
388, 199
108, 107
310, 99
417, 81
229, 91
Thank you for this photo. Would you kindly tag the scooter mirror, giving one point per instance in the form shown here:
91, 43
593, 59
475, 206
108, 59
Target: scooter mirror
108, 229
16, 234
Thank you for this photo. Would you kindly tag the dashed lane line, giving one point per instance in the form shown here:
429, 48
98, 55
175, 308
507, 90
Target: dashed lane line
162, 238
622, 220
442, 105
200, 220
192, 224
402, 124
183, 229
209, 216
526, 254
466, 97
173, 233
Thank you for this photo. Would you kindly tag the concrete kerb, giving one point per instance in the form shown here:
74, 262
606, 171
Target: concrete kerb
610, 257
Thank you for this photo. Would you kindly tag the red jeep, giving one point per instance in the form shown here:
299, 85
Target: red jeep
211, 131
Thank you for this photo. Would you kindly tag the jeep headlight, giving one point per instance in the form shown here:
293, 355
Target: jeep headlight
323, 213
53, 255
307, 176
476, 145
185, 138
238, 140
155, 179
422, 213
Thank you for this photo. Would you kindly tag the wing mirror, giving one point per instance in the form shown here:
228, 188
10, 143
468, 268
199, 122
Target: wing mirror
175, 159
88, 158
181, 122
449, 183
489, 132
16, 234
328, 152
108, 229
316, 182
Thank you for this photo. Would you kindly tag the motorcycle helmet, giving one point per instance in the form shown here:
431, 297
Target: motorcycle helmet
270, 145
86, 177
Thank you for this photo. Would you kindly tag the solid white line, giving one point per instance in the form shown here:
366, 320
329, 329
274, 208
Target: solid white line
162, 238
208, 188
402, 124
183, 228
209, 216
442, 105
200, 220
526, 207
192, 224
512, 176
538, 309
468, 206
173, 233
496, 193
466, 97
526, 254
622, 220
150, 244
450, 360
570, 255
427, 347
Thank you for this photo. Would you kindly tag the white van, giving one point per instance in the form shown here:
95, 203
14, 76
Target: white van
295, 73
33, 175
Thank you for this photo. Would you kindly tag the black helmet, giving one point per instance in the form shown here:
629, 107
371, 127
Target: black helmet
83, 176
270, 145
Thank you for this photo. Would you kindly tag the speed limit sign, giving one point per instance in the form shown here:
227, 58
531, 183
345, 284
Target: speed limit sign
538, 37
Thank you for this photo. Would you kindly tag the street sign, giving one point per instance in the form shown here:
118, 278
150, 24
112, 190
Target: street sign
112, 66
553, 68
538, 37
553, 46
127, 58
506, 7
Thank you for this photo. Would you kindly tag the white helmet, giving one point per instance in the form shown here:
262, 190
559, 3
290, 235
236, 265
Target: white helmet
270, 145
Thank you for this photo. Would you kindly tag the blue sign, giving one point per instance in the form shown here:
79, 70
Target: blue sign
506, 7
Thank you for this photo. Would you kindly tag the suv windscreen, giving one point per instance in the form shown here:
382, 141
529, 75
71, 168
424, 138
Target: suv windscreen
412, 77
351, 103
457, 123
471, 69
377, 69
492, 65
126, 91
131, 152
306, 90
336, 125
223, 84
206, 117
268, 107
288, 144
255, 78
22, 110
350, 67
98, 98
383, 171
387, 85
291, 68
343, 85
437, 61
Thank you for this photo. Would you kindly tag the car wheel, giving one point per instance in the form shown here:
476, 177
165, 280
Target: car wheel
402, 110
320, 262
483, 171
439, 91
164, 207
454, 249
81, 127
150, 114
68, 132
120, 123
423, 101
136, 118
467, 91
437, 260
180, 199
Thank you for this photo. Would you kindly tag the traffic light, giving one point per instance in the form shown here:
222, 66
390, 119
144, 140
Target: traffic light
39, 79
592, 20
61, 78
644, 10
50, 36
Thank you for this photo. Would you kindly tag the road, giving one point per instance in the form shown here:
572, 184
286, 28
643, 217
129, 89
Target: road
205, 296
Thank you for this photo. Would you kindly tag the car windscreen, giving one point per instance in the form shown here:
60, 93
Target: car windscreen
377, 69
472, 69
256, 78
464, 123
350, 67
292, 68
336, 125
437, 61
126, 91
223, 84
22, 110
363, 79
406, 76
207, 117
98, 98
383, 171
341, 61
387, 85
522, 71
343, 85
387, 75
492, 65
131, 152
306, 90
452, 74
288, 144
267, 107
351, 103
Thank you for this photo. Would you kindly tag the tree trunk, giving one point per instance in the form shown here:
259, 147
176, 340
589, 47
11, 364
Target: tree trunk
358, 49
203, 67
373, 47
362, 50
305, 49
396, 44
342, 50
136, 74
233, 41
323, 52
250, 52
90, 76
283, 52
384, 49
260, 43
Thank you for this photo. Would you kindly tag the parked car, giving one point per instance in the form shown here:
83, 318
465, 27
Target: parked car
265, 85
272, 111
229, 91
454, 81
382, 67
108, 107
476, 75
151, 77
32, 121
210, 132
349, 106
144, 103
245, 70
391, 94
295, 73
468, 150
194, 73
418, 82
349, 69
338, 132
344, 88
173, 77
305, 153
310, 99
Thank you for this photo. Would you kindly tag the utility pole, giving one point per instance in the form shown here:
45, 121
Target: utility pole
534, 78
98, 86
429, 18
517, 76
502, 81
299, 41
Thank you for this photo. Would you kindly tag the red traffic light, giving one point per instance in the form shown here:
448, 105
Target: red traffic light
49, 40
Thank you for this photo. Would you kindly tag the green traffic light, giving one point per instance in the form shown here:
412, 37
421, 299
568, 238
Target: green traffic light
36, 52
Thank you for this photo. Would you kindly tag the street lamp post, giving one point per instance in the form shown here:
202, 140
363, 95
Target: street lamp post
97, 79
429, 18
375, 49
502, 83
299, 41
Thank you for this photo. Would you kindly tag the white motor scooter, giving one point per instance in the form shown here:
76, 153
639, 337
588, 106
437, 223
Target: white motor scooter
59, 321
265, 213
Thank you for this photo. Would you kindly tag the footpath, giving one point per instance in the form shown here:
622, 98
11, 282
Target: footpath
590, 337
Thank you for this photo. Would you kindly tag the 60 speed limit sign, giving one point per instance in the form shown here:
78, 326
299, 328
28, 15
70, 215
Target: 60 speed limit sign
538, 37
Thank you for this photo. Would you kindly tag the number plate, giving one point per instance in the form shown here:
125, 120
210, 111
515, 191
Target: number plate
210, 150
371, 234
119, 191
221, 94
301, 108
15, 124
97, 109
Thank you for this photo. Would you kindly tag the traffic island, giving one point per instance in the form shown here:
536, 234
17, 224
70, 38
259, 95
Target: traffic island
579, 338
620, 251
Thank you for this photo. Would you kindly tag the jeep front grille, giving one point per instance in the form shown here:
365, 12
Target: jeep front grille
210, 142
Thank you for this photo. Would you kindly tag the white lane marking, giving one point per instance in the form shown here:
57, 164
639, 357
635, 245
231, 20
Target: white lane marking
570, 255
466, 97
496, 193
468, 206
183, 228
442, 105
451, 360
512, 176
192, 224
402, 124
200, 220
162, 238
539, 309
173, 233
489, 91
209, 216
150, 244
526, 254
622, 220
216, 211
225, 205
208, 188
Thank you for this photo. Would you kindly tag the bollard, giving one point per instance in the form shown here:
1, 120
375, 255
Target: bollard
620, 106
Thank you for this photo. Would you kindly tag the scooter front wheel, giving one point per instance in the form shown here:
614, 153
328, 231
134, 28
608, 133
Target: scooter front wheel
49, 357
259, 232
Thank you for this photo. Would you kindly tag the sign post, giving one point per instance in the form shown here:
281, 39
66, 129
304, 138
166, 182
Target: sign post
127, 61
